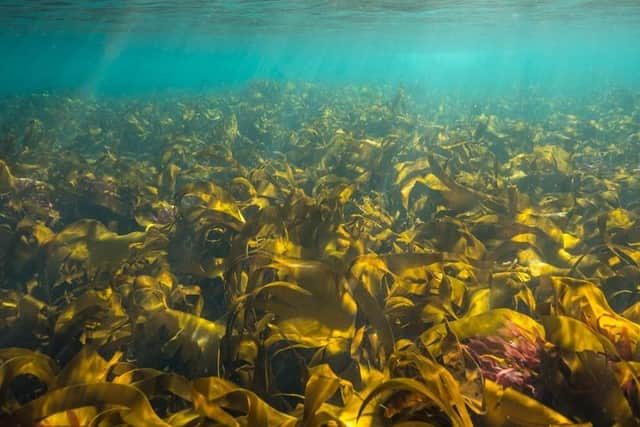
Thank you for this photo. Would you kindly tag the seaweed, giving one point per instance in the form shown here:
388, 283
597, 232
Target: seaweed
292, 254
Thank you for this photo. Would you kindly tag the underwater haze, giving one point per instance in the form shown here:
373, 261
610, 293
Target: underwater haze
320, 213
110, 47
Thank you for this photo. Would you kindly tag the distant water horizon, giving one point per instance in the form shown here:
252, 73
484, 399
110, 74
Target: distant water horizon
149, 47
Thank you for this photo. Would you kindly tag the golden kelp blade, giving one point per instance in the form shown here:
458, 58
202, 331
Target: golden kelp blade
211, 390
484, 324
434, 383
288, 253
137, 412
508, 407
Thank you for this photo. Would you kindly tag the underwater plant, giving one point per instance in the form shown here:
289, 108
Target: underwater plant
290, 254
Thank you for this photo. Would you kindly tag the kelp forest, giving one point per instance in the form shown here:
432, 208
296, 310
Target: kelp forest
296, 254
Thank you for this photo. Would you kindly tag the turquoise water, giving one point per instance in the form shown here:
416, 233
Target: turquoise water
150, 46
320, 213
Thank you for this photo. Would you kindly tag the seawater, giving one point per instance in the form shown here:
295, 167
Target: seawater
144, 46
319, 213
